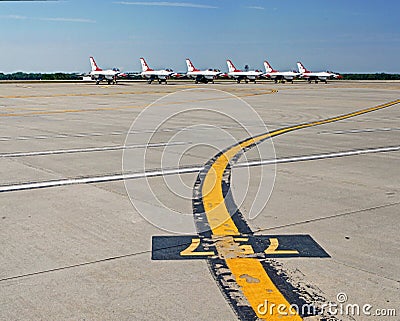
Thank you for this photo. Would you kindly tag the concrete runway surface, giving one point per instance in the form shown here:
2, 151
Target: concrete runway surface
307, 214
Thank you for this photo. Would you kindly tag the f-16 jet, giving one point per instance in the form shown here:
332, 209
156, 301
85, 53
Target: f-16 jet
99, 74
281, 76
315, 76
150, 74
201, 75
240, 75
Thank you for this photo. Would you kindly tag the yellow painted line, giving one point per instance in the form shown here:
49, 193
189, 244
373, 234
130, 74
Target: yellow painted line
273, 248
64, 111
97, 94
217, 214
249, 273
190, 251
143, 92
79, 95
258, 288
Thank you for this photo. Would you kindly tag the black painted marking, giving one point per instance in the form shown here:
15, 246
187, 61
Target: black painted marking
230, 290
289, 291
171, 247
218, 267
236, 215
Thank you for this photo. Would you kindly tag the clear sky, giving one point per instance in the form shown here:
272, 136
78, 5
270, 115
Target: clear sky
340, 35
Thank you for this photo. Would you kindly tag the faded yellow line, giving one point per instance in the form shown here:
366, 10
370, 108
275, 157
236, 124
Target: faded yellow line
93, 94
141, 92
249, 273
66, 95
121, 93
64, 111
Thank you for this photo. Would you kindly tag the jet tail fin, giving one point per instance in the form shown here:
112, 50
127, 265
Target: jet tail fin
145, 66
190, 66
231, 66
94, 65
268, 67
301, 67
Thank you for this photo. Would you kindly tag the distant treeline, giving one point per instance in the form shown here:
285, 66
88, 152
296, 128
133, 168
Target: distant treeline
74, 76
39, 76
381, 76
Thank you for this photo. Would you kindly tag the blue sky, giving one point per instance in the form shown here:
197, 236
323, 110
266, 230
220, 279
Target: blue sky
340, 35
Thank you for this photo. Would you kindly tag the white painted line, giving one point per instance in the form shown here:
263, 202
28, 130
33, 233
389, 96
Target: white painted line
57, 136
355, 131
188, 170
6, 138
99, 179
89, 149
320, 156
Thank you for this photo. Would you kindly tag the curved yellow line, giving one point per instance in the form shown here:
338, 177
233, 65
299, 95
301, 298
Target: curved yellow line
260, 290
